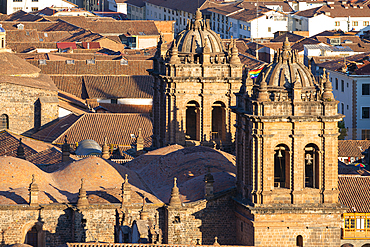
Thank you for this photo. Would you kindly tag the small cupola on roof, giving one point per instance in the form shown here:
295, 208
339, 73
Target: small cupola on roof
286, 73
197, 35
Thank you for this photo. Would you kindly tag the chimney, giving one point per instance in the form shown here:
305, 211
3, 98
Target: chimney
140, 143
20, 150
65, 150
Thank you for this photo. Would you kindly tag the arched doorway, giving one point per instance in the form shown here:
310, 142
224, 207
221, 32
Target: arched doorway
32, 237
281, 167
218, 121
299, 241
192, 121
4, 122
312, 166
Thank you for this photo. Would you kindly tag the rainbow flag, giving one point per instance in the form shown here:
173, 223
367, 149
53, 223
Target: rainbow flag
254, 73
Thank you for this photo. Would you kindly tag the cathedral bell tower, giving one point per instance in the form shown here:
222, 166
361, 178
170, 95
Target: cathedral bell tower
287, 155
195, 82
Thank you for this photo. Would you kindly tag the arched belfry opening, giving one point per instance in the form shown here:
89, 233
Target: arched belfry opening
218, 121
192, 121
312, 166
32, 237
4, 122
299, 240
282, 167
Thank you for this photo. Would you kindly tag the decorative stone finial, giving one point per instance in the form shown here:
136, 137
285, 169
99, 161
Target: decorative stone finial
143, 212
263, 95
82, 197
216, 243
126, 191
234, 59
105, 150
198, 15
328, 89
34, 192
175, 200
66, 148
140, 143
20, 150
174, 59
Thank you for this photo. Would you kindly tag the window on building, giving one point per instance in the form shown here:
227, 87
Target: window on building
355, 23
164, 9
249, 28
15, 9
365, 134
17, 0
347, 84
35, 0
114, 101
4, 122
164, 17
366, 23
299, 240
347, 107
365, 112
336, 84
337, 23
342, 84
365, 89
342, 106
34, 9
245, 27
269, 29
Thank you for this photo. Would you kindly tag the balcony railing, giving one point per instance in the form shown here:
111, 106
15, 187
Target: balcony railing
356, 226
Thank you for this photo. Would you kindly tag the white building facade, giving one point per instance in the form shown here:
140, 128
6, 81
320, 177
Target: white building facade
35, 5
353, 94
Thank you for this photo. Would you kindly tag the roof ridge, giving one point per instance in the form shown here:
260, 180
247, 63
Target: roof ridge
64, 132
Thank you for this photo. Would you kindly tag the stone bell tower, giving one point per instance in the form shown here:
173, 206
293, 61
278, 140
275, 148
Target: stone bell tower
195, 82
287, 156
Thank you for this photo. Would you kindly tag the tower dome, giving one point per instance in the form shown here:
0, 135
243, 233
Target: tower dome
198, 36
286, 73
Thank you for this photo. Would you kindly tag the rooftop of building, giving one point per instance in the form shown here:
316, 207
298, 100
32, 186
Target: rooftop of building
118, 128
337, 9
352, 148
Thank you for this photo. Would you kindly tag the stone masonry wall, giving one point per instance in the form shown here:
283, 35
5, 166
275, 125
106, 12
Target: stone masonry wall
202, 221
23, 107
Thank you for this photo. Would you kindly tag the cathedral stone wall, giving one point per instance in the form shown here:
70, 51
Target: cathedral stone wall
27, 108
282, 229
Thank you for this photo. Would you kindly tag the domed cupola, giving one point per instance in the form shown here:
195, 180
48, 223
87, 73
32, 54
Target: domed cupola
197, 35
284, 75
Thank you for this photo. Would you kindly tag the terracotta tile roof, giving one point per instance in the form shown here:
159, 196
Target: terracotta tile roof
83, 36
354, 193
12, 25
48, 157
22, 36
20, 15
306, 41
35, 151
352, 148
291, 37
125, 27
62, 25
338, 62
57, 128
250, 14
27, 47
109, 87
101, 67
344, 169
189, 6
119, 108
337, 10
10, 64
105, 87
96, 126
53, 36
365, 70
40, 82
250, 63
